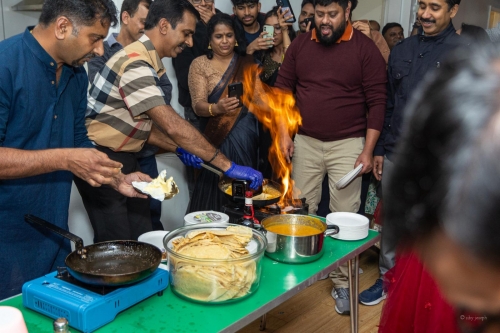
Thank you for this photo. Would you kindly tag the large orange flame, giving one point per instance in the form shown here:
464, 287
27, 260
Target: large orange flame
276, 110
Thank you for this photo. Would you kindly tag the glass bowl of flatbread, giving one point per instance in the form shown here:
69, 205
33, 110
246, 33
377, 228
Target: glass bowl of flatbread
215, 263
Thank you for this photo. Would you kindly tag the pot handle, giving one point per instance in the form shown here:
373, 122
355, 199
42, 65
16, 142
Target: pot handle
335, 230
34, 220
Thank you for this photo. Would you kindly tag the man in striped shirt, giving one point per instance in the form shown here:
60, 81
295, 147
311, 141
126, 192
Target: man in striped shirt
126, 108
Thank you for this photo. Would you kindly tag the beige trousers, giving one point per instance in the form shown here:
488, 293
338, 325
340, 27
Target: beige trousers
313, 159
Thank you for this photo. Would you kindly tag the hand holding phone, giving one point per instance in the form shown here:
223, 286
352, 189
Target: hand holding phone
269, 29
308, 20
285, 5
236, 90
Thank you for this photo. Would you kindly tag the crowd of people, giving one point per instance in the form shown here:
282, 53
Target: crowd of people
363, 97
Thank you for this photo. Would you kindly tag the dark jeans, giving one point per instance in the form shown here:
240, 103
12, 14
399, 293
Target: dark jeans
112, 215
149, 167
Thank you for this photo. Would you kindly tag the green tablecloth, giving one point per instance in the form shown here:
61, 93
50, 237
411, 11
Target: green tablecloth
169, 313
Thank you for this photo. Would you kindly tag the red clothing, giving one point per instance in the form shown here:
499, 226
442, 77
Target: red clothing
336, 86
414, 303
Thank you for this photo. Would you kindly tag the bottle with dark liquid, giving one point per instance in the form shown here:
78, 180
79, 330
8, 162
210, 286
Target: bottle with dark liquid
248, 218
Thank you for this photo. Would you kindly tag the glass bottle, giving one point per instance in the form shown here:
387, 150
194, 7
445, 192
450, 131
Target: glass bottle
248, 218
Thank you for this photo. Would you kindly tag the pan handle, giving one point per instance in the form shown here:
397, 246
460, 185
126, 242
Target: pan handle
335, 231
34, 220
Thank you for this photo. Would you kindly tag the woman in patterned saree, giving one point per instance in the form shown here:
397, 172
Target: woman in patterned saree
230, 128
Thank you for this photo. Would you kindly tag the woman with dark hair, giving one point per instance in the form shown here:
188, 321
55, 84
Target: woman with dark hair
272, 58
443, 202
226, 125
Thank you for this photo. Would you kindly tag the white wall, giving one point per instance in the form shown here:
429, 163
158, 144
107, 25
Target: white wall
400, 11
474, 12
370, 10
15, 22
2, 36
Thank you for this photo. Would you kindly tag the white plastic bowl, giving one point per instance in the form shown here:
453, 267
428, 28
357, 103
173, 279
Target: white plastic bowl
154, 238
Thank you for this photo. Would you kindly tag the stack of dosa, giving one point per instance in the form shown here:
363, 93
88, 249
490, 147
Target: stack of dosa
216, 281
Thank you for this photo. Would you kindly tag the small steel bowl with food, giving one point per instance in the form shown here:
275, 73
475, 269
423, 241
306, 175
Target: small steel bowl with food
214, 263
296, 239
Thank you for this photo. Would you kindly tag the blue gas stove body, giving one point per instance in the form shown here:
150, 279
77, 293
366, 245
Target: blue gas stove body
88, 310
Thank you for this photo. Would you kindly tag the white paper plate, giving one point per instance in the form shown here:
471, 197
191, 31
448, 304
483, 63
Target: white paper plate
155, 238
344, 181
352, 226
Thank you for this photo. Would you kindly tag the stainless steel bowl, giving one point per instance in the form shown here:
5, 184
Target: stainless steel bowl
296, 249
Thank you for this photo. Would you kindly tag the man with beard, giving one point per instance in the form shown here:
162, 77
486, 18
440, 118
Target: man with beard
126, 108
338, 77
409, 62
250, 21
43, 140
306, 12
132, 17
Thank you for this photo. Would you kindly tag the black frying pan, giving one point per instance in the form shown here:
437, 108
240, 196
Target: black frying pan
113, 263
224, 186
225, 183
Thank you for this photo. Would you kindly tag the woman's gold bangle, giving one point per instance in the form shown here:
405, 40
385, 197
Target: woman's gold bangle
210, 109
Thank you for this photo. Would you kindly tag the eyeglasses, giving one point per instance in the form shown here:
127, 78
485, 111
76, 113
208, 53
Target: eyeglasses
200, 1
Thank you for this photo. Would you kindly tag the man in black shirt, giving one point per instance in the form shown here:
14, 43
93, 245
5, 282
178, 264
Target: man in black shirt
410, 61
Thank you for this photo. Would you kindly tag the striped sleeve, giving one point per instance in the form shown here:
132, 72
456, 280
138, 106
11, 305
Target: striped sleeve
139, 88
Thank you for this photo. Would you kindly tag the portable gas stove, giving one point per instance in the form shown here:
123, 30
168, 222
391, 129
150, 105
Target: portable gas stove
235, 211
87, 307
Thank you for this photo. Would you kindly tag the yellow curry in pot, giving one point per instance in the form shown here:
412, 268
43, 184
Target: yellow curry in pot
293, 230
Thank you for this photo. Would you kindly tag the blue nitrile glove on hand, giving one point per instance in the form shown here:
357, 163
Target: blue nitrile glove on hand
188, 158
245, 173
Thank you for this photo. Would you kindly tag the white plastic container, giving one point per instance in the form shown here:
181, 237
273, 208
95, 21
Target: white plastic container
12, 320
154, 238
208, 216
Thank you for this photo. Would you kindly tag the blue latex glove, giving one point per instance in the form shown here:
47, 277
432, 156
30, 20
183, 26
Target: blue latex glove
245, 173
188, 158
